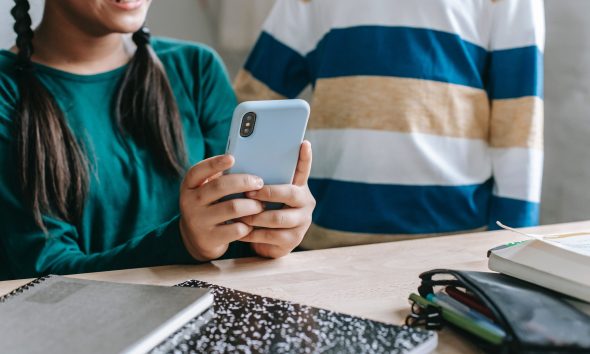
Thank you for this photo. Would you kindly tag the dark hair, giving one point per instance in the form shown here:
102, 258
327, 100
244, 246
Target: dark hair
52, 166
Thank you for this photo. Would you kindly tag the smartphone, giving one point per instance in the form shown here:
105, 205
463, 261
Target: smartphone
265, 138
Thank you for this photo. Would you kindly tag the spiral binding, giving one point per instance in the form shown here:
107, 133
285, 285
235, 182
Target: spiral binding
23, 288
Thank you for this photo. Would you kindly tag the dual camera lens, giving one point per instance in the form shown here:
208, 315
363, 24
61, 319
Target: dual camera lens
248, 123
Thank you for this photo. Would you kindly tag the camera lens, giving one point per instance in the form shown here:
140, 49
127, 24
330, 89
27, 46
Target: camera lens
247, 126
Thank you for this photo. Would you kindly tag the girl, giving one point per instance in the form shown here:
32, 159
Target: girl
97, 129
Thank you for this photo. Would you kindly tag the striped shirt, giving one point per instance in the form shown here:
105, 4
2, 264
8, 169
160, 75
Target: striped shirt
427, 116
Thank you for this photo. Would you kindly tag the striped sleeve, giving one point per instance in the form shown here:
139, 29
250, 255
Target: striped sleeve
515, 86
277, 67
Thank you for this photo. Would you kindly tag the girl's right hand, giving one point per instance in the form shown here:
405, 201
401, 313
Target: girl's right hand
203, 222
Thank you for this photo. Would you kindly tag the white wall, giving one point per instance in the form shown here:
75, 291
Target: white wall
230, 26
566, 188
182, 19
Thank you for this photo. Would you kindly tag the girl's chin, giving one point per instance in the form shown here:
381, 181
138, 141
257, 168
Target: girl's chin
125, 24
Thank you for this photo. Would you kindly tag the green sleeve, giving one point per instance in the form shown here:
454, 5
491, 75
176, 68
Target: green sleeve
215, 96
26, 251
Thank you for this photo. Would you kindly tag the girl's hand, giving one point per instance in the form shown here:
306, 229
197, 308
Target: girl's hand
203, 227
282, 230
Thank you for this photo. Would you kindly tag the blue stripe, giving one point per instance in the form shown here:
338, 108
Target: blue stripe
400, 52
513, 212
281, 68
399, 209
516, 72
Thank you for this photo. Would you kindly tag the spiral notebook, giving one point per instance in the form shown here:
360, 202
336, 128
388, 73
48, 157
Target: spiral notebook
238, 322
63, 315
248, 323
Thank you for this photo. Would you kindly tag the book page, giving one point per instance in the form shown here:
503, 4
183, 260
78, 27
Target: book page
579, 244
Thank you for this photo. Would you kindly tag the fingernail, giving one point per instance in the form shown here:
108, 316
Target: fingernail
259, 182
225, 160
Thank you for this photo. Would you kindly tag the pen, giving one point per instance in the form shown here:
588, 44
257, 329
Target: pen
449, 303
470, 301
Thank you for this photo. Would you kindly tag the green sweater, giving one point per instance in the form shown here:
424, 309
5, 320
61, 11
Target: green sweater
131, 212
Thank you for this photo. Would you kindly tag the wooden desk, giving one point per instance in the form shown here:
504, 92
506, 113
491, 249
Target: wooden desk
372, 281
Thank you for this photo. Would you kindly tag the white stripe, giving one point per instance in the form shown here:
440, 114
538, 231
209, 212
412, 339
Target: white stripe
371, 156
518, 173
518, 23
302, 25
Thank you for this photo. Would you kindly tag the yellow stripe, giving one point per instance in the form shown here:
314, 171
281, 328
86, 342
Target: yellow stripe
414, 106
517, 123
400, 105
248, 88
318, 237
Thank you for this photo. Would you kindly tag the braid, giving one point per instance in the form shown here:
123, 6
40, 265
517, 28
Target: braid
142, 38
24, 33
51, 167
146, 108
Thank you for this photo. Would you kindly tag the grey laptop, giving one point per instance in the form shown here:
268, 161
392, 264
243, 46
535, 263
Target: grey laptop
63, 315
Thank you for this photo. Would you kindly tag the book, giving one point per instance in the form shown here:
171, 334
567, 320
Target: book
559, 262
63, 315
248, 323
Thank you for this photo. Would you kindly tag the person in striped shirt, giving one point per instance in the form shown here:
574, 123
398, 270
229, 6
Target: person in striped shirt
427, 116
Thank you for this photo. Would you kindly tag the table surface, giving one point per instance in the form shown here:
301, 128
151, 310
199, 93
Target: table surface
372, 281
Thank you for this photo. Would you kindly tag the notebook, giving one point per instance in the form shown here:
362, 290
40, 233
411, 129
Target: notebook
63, 315
247, 323
559, 262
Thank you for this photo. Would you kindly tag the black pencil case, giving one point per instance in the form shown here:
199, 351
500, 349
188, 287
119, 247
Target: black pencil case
535, 319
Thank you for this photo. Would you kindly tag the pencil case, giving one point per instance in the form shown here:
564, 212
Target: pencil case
531, 319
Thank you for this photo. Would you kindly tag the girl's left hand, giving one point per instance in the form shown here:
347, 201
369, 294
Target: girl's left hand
282, 230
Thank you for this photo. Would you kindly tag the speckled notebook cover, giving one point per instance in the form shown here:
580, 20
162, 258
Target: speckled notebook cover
247, 323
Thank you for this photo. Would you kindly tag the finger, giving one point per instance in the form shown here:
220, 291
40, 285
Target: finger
282, 238
225, 234
294, 196
215, 176
232, 209
226, 185
276, 219
270, 251
206, 169
303, 165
